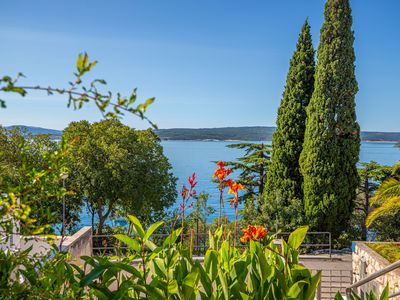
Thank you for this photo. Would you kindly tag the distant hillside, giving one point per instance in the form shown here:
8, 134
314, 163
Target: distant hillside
256, 133
380, 136
38, 130
251, 133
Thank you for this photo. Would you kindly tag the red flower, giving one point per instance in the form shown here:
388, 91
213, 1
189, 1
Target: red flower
184, 191
221, 172
234, 188
192, 181
254, 233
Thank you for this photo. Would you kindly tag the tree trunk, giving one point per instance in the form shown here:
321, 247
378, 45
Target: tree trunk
103, 218
366, 208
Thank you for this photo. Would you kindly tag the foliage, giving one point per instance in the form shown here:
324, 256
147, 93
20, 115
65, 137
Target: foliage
116, 168
30, 182
166, 271
253, 168
389, 251
332, 137
78, 94
387, 228
387, 196
367, 296
284, 185
371, 175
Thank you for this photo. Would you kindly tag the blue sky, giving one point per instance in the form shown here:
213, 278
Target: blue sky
208, 63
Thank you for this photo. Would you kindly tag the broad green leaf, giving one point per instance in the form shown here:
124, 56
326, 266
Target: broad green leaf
137, 226
173, 287
189, 283
130, 242
171, 239
312, 287
151, 229
205, 281
93, 275
211, 264
296, 289
297, 237
224, 284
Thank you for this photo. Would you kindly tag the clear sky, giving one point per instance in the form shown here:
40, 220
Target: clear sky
208, 63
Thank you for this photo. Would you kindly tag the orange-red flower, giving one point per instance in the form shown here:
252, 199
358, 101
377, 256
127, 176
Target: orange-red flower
254, 233
221, 173
234, 188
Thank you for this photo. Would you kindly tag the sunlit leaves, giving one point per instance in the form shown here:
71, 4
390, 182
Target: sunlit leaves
79, 93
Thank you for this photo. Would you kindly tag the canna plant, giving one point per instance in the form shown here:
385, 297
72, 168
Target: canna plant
221, 174
168, 271
367, 296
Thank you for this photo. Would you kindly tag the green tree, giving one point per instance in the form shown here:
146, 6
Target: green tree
332, 137
371, 174
253, 168
284, 180
26, 161
118, 169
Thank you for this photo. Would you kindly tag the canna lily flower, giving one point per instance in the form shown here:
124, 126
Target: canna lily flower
221, 173
254, 233
234, 188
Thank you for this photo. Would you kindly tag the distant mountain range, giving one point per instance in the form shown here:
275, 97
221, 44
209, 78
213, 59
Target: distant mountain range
250, 133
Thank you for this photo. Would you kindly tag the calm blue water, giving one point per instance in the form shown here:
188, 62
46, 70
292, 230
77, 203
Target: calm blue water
187, 157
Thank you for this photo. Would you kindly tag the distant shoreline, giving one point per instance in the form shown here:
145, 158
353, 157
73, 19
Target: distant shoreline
223, 134
243, 141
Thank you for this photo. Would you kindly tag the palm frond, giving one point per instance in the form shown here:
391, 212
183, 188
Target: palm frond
388, 189
388, 206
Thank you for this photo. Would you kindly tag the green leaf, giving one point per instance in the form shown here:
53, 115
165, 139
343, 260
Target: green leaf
93, 275
313, 286
189, 283
224, 284
297, 237
137, 226
130, 242
385, 294
338, 296
296, 289
173, 287
151, 229
211, 264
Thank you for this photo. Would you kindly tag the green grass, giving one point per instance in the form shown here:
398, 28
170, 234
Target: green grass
389, 251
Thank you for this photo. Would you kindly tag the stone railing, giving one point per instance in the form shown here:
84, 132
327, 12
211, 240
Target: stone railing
79, 244
367, 262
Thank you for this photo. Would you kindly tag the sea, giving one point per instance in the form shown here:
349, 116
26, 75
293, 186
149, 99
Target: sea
188, 157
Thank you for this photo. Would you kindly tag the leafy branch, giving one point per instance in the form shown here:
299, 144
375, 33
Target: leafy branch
110, 105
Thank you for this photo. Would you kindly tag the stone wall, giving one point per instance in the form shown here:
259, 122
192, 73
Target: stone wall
79, 244
366, 262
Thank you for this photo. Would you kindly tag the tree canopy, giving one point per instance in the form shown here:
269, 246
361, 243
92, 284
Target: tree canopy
118, 169
30, 168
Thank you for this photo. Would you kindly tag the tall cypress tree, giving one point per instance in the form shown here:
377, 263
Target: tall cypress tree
332, 140
284, 180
